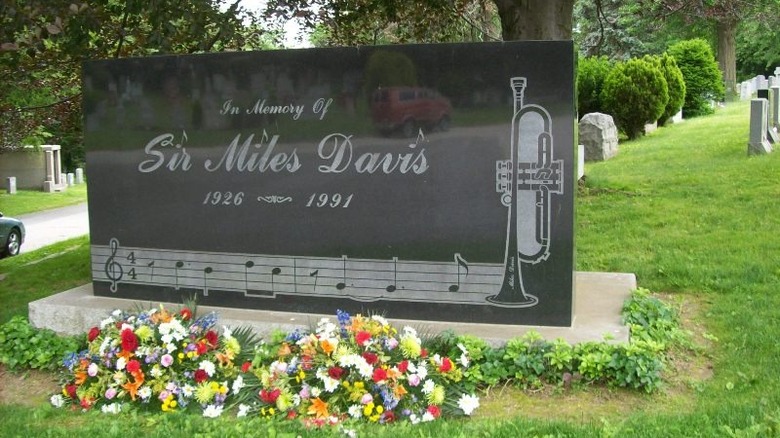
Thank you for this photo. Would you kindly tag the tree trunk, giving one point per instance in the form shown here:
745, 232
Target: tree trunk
727, 57
535, 19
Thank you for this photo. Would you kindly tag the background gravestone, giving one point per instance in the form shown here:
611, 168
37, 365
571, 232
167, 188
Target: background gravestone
599, 135
425, 182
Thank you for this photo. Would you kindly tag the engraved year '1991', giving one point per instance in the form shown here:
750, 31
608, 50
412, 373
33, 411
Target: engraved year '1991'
332, 200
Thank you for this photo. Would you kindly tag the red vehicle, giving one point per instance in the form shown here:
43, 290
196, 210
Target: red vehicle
406, 109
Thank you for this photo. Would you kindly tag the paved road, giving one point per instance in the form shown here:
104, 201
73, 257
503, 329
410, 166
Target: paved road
51, 226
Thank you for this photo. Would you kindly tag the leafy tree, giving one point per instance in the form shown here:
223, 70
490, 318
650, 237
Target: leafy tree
701, 75
44, 42
636, 93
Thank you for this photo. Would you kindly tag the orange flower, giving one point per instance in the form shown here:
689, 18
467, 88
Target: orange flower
399, 391
80, 377
161, 316
284, 350
126, 354
326, 346
224, 359
132, 387
356, 325
318, 408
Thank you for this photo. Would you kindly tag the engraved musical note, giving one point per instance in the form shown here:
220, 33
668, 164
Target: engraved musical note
392, 287
208, 270
179, 264
316, 275
113, 269
343, 284
247, 266
461, 262
151, 265
274, 272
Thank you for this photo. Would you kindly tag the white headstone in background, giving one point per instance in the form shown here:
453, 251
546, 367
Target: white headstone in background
71, 178
758, 143
11, 185
774, 98
79, 175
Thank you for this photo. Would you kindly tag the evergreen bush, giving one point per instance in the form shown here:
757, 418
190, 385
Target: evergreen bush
703, 79
676, 86
591, 72
635, 93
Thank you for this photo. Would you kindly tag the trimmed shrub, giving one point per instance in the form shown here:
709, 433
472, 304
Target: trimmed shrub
703, 79
635, 93
591, 72
676, 86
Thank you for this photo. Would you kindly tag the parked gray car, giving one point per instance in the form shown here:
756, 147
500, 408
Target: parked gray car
11, 236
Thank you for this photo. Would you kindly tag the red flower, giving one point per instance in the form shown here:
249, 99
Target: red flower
362, 337
185, 314
245, 366
446, 365
306, 362
71, 390
202, 348
269, 396
403, 366
211, 338
423, 353
379, 375
371, 358
129, 340
133, 366
87, 402
291, 414
335, 372
93, 334
388, 417
434, 410
200, 375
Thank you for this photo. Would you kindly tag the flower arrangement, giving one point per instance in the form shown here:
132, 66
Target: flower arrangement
156, 359
360, 368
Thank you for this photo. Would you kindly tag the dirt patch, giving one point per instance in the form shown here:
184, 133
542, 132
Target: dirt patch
28, 387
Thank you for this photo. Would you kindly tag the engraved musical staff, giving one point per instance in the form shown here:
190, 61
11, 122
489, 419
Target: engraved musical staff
267, 276
113, 269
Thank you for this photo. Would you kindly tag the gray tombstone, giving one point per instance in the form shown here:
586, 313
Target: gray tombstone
79, 175
774, 99
71, 178
599, 136
11, 185
758, 143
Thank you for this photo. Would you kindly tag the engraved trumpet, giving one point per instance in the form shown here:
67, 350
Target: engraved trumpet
526, 182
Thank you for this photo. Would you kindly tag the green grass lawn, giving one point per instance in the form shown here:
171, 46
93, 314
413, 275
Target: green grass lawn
30, 201
684, 208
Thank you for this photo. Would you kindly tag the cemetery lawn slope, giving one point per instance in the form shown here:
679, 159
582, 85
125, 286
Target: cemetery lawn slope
684, 208
31, 201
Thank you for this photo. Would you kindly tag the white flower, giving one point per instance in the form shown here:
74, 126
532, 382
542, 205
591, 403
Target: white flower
428, 386
212, 411
315, 392
208, 367
380, 320
172, 330
238, 384
464, 357
121, 363
106, 322
104, 345
243, 410
422, 370
170, 347
468, 403
93, 369
410, 331
156, 371
57, 400
145, 392
126, 326
330, 383
296, 399
355, 411
226, 332
116, 313
427, 416
414, 418
113, 408
188, 391
279, 367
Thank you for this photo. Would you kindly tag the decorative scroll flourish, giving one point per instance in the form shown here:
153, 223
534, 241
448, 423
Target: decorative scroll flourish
275, 199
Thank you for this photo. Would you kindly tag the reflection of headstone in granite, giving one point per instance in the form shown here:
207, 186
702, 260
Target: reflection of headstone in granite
758, 143
771, 134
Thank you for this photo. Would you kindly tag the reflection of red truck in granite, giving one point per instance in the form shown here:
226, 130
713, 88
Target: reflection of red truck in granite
406, 109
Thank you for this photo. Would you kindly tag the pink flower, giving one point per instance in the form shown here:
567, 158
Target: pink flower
414, 380
366, 399
110, 393
92, 370
166, 360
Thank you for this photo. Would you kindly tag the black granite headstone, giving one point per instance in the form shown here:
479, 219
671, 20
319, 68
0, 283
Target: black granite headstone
425, 182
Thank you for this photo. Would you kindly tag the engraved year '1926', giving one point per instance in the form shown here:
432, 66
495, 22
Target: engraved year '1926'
224, 198
332, 200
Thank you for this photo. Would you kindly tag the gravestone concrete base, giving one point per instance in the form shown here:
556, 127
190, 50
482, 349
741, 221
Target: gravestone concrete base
598, 300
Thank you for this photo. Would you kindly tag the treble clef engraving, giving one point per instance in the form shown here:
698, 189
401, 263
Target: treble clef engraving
114, 270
